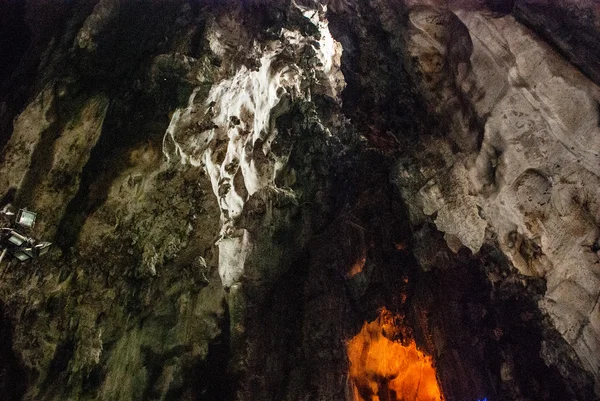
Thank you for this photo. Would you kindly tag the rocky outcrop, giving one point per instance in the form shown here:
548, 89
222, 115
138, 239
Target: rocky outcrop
571, 27
232, 130
531, 185
233, 189
103, 304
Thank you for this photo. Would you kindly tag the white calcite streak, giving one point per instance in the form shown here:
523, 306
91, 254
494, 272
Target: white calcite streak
230, 133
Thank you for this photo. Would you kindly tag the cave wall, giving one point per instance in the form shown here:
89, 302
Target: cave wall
532, 182
234, 188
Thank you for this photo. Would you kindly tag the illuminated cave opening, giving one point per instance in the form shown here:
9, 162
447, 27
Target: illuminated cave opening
383, 368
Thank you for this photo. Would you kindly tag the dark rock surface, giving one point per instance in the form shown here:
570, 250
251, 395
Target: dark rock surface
572, 27
233, 188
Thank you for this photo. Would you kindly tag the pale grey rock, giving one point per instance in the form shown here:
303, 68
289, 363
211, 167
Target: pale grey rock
535, 182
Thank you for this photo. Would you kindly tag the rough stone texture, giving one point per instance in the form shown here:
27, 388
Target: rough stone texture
27, 132
234, 188
127, 302
571, 26
533, 184
232, 131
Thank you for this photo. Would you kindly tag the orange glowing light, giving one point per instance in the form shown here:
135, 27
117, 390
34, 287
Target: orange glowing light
358, 266
401, 246
385, 370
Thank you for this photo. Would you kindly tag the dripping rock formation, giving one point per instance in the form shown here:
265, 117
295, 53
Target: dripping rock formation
375, 200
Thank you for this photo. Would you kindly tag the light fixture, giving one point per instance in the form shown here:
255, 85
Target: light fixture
21, 246
16, 239
26, 218
42, 248
22, 256
6, 210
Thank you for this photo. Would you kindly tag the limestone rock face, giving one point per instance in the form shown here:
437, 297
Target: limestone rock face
572, 27
233, 188
231, 130
532, 185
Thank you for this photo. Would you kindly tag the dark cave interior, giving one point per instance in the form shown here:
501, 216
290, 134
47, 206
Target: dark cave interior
474, 315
